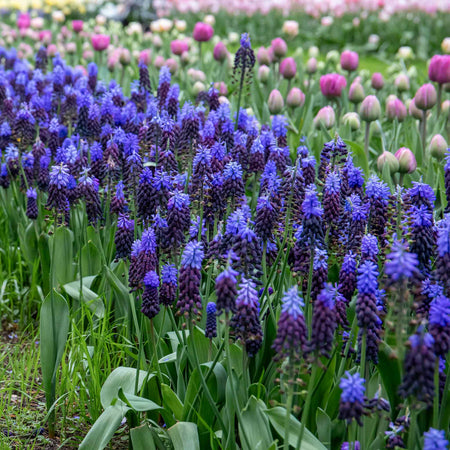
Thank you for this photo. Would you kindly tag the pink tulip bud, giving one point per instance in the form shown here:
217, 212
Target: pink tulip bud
172, 65
389, 160
295, 98
52, 50
356, 93
445, 108
263, 73
178, 47
406, 160
23, 21
377, 81
395, 109
279, 47
370, 109
77, 25
221, 87
439, 69
159, 61
145, 56
100, 42
45, 36
184, 58
88, 55
113, 61
220, 52
263, 56
402, 82
71, 48
414, 111
332, 84
311, 66
203, 32
125, 56
425, 97
326, 117
349, 60
288, 68
438, 146
276, 102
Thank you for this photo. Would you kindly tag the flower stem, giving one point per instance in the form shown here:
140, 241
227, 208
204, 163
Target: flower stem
289, 401
366, 140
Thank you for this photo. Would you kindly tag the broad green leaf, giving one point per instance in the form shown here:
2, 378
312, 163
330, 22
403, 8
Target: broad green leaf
142, 438
89, 297
184, 436
121, 294
104, 428
91, 262
121, 378
360, 158
390, 372
277, 417
137, 403
255, 424
61, 251
54, 326
172, 402
323, 427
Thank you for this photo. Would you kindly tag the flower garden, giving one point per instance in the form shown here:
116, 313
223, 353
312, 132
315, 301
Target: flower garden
225, 227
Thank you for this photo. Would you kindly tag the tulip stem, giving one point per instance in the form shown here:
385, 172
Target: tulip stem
424, 134
366, 140
439, 99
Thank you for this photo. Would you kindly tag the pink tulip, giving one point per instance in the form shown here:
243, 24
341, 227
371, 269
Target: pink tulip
145, 57
395, 109
288, 68
159, 61
77, 25
279, 47
220, 52
23, 21
203, 32
45, 36
426, 97
332, 84
263, 56
179, 46
172, 65
295, 98
377, 81
406, 159
100, 42
349, 60
439, 69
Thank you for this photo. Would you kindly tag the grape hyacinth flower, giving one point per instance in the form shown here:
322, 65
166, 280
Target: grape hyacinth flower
332, 199
150, 299
366, 310
124, 236
347, 276
400, 264
352, 401
369, 248
435, 440
377, 193
32, 208
211, 321
324, 321
443, 253
189, 301
422, 236
117, 205
226, 291
439, 325
245, 322
291, 334
418, 379
178, 218
57, 191
244, 61
169, 284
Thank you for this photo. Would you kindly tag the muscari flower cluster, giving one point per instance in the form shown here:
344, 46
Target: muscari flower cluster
173, 178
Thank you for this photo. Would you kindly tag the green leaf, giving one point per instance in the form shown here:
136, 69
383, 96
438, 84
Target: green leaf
172, 402
277, 417
122, 294
121, 378
360, 158
390, 372
142, 438
62, 255
91, 262
54, 325
256, 426
89, 297
323, 427
104, 428
137, 403
184, 436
